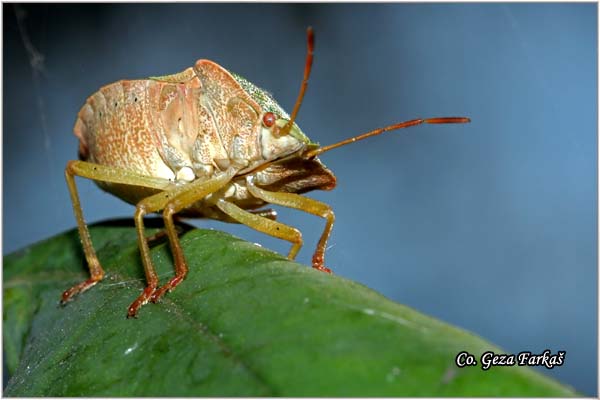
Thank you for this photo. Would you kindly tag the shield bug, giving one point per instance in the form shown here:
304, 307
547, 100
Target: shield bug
201, 143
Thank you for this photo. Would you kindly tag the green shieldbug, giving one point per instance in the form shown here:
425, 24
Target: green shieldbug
201, 143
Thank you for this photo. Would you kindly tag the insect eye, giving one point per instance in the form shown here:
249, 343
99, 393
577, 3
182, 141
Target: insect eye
269, 119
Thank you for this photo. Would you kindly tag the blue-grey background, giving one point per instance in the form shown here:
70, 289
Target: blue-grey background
489, 226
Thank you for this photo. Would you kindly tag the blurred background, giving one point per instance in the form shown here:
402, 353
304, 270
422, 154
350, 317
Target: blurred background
490, 226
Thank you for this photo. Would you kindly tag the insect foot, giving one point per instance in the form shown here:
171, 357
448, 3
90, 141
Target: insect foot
140, 301
323, 268
176, 280
69, 294
317, 263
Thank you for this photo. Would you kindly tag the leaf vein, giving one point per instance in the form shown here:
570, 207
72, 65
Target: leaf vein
203, 329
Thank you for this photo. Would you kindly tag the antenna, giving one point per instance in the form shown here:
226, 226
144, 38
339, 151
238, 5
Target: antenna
405, 124
310, 43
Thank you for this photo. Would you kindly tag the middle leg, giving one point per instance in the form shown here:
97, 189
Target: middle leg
170, 202
181, 199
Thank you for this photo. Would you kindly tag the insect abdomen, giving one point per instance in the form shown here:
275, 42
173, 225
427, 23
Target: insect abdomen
116, 127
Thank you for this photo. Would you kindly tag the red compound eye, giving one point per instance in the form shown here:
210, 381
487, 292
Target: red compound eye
269, 119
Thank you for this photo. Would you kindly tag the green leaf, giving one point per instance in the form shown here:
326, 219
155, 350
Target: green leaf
245, 322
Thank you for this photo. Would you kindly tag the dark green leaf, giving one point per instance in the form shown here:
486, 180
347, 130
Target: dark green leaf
244, 322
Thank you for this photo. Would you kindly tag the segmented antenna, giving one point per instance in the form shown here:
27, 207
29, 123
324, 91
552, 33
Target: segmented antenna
310, 43
405, 124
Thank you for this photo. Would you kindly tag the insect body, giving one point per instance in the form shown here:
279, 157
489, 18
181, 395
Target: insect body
201, 143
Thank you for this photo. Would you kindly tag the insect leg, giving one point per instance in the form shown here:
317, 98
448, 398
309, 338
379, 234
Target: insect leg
183, 197
264, 225
99, 173
268, 213
160, 236
148, 205
306, 204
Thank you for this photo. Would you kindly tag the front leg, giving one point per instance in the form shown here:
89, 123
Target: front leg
264, 225
306, 204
